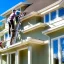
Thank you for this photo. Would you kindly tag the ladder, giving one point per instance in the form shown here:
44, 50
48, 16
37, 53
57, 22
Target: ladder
16, 32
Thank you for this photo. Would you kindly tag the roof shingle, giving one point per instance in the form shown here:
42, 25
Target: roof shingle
38, 5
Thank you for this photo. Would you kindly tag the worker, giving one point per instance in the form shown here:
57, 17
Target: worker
11, 21
17, 14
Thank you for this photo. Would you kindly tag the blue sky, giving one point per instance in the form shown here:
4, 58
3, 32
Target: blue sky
6, 4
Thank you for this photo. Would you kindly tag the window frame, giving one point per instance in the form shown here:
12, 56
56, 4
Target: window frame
59, 47
57, 16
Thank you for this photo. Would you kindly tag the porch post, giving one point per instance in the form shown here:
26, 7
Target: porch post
8, 58
29, 55
52, 53
17, 57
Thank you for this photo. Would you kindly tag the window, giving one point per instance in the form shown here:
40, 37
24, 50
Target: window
58, 41
53, 15
61, 12
62, 48
47, 18
55, 46
6, 35
55, 51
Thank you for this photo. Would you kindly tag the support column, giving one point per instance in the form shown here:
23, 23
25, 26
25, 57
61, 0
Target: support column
29, 55
52, 53
8, 58
17, 57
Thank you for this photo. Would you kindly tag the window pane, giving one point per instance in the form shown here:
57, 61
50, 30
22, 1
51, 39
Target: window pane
62, 48
55, 48
53, 15
61, 12
47, 18
6, 35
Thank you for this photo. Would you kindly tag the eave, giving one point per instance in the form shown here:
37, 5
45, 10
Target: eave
53, 29
21, 4
23, 43
32, 14
51, 7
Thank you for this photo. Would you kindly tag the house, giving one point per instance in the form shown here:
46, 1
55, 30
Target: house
41, 39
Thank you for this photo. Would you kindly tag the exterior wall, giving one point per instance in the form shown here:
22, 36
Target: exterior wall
4, 61
37, 34
23, 57
30, 22
40, 54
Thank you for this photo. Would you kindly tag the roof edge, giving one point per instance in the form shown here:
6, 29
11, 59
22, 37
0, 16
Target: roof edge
23, 3
56, 3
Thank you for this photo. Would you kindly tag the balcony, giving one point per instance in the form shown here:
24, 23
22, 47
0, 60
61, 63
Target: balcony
33, 27
25, 42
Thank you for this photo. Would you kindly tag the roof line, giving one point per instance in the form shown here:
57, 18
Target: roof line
24, 3
56, 3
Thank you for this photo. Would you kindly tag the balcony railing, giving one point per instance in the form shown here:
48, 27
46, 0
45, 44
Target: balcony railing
33, 27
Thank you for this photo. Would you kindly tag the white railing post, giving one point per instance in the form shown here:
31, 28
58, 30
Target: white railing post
8, 58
